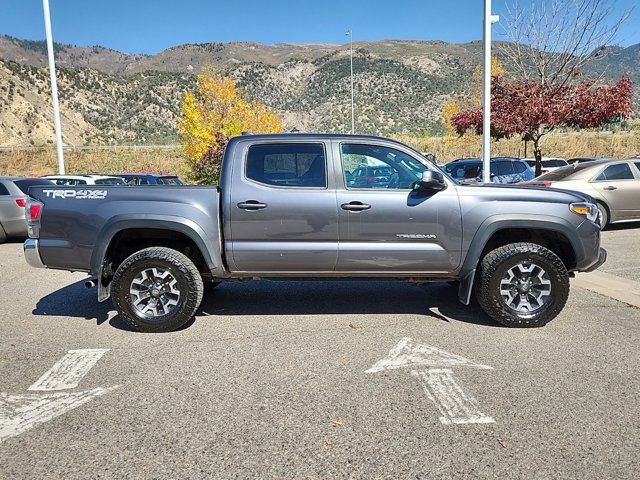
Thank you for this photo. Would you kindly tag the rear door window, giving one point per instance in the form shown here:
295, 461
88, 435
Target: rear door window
502, 168
520, 167
620, 171
3, 190
302, 165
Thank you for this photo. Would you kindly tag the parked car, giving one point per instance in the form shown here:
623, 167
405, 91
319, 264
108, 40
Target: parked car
284, 210
13, 200
549, 164
615, 185
73, 180
149, 179
503, 170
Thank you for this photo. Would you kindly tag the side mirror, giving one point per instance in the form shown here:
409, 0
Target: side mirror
431, 181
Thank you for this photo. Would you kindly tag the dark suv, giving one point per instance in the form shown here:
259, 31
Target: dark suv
503, 170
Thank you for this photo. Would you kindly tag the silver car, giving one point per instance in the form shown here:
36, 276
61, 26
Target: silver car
13, 199
615, 184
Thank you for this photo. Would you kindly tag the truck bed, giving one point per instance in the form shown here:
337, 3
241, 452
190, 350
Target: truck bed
77, 221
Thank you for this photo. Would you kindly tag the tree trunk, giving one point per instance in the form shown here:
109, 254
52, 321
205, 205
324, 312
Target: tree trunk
537, 152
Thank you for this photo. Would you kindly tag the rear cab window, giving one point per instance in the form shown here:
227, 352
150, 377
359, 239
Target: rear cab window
301, 165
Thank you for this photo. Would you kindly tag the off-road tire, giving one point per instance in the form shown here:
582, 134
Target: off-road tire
184, 271
494, 266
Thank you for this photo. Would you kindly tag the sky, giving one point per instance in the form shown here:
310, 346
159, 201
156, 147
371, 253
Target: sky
150, 26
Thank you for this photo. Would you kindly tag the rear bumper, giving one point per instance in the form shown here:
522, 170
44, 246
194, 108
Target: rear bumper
602, 257
32, 253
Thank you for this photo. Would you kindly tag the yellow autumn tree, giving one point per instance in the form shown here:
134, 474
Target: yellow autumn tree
215, 112
469, 142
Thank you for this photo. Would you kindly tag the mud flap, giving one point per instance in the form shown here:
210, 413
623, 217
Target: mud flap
466, 286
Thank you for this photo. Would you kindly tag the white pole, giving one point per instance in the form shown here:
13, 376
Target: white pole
486, 92
54, 86
353, 122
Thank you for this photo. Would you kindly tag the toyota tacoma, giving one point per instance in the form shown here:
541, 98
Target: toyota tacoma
289, 207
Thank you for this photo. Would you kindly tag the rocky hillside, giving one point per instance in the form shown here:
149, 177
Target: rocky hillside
108, 96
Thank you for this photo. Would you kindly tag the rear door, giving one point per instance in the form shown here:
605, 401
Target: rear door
619, 185
392, 228
283, 214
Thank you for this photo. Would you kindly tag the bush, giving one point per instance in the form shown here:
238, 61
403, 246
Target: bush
206, 170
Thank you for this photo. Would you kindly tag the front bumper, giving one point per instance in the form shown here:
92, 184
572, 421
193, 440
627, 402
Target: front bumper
602, 257
32, 253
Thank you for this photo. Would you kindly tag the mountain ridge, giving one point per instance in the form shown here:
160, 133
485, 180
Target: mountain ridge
109, 96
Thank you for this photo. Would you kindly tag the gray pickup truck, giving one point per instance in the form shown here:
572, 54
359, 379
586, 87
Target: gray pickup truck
288, 207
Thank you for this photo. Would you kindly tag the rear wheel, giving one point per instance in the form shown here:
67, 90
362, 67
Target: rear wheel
157, 290
522, 285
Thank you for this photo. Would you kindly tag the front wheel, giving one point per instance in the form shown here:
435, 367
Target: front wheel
156, 290
522, 285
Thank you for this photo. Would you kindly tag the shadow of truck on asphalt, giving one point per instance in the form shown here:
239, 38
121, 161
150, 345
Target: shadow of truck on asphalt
274, 298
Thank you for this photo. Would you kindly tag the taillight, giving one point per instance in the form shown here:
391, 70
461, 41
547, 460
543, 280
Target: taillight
32, 213
545, 184
372, 180
21, 202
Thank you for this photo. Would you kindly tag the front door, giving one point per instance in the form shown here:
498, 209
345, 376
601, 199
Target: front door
620, 187
282, 211
386, 226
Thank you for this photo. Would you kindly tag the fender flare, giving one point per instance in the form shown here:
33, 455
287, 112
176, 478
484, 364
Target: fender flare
500, 222
165, 222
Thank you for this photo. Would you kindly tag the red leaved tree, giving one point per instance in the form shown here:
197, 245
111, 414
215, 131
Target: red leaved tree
532, 110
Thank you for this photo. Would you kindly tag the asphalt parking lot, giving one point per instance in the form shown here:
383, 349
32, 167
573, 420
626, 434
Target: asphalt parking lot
270, 381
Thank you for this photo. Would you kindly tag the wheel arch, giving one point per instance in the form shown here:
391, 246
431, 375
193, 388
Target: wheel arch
554, 233
152, 227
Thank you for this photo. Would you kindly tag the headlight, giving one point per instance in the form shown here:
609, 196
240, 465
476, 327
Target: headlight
585, 209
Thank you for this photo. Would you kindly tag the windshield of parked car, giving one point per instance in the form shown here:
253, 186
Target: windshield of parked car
462, 170
110, 181
568, 172
169, 181
25, 184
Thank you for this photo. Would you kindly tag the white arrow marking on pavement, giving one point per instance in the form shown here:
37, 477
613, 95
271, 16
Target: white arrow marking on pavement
409, 354
439, 384
455, 406
69, 370
19, 413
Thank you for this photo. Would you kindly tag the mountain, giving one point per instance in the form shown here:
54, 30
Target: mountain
108, 96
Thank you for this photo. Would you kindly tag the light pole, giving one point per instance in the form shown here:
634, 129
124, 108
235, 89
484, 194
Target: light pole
353, 122
489, 19
54, 86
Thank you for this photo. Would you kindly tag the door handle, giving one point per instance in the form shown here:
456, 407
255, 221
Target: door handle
609, 187
355, 206
252, 205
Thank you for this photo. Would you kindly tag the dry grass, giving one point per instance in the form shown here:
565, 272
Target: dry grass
98, 160
564, 145
172, 160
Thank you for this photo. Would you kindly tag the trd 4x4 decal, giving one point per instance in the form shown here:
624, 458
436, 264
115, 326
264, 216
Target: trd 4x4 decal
77, 194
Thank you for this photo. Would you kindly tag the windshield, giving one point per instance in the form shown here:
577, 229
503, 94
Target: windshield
463, 170
169, 181
569, 171
110, 181
27, 183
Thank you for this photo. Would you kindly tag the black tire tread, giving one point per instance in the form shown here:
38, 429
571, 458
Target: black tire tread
180, 261
492, 305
